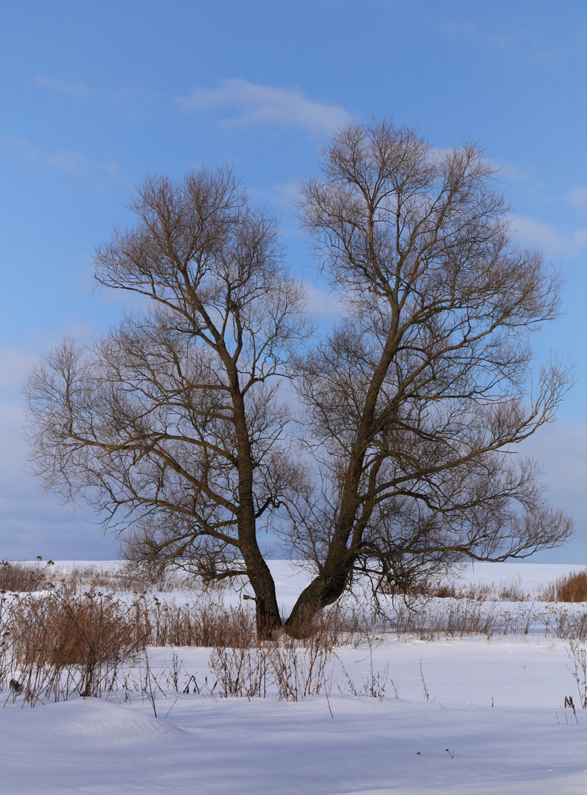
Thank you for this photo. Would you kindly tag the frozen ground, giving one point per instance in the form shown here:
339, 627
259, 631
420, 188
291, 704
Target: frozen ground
497, 706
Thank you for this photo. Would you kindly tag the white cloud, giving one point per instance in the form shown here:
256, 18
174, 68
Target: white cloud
16, 361
284, 195
34, 523
561, 448
506, 172
322, 304
61, 160
77, 89
248, 103
12, 442
553, 242
457, 28
287, 193
125, 100
577, 198
528, 43
506, 40
14, 367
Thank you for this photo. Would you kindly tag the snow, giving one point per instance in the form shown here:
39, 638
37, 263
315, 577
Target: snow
291, 578
532, 576
497, 706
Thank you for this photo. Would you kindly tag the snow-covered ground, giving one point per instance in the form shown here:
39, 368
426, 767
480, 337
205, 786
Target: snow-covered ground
465, 717
290, 578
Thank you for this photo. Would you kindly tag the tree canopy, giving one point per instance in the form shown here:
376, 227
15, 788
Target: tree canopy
402, 460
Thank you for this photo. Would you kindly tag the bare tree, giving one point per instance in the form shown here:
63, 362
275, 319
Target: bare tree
417, 399
172, 424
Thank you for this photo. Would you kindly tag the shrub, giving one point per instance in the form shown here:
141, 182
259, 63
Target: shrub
570, 588
20, 577
67, 642
199, 623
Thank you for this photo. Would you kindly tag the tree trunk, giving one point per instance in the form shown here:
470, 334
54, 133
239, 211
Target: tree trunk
316, 596
260, 577
268, 620
267, 611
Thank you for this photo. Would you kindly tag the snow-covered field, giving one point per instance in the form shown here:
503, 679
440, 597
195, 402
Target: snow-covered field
462, 716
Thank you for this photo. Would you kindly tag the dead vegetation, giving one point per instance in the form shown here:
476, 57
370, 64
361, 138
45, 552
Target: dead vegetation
570, 588
21, 577
59, 643
296, 669
511, 591
77, 632
125, 577
62, 641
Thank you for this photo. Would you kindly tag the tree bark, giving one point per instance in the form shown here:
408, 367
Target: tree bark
260, 577
316, 596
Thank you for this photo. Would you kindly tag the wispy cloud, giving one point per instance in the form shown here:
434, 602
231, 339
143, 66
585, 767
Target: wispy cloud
283, 196
551, 239
76, 89
65, 160
510, 39
506, 172
457, 28
124, 100
15, 365
322, 304
16, 361
287, 193
523, 41
249, 103
561, 448
531, 44
34, 523
577, 198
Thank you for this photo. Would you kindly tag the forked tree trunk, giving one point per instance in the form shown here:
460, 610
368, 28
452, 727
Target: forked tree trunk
314, 598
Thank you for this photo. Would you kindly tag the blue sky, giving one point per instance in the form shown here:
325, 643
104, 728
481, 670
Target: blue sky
94, 95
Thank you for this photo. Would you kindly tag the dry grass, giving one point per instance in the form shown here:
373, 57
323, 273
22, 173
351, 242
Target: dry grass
578, 658
127, 577
21, 577
62, 643
65, 634
511, 591
198, 623
571, 588
459, 618
62, 639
